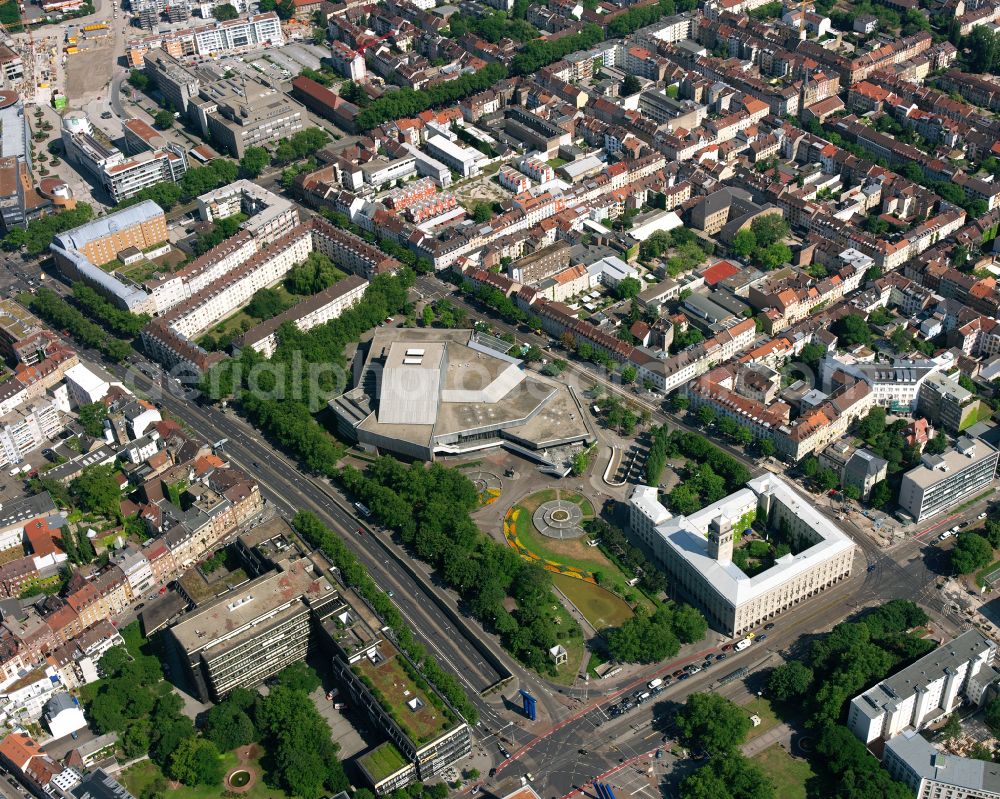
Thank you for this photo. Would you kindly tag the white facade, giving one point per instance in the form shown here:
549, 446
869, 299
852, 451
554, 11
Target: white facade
464, 160
24, 430
84, 386
22, 702
942, 481
927, 690
696, 551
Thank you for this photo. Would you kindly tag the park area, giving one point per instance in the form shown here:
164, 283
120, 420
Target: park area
547, 527
146, 778
788, 774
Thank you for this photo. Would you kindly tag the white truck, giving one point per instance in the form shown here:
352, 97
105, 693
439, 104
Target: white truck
741, 645
654, 683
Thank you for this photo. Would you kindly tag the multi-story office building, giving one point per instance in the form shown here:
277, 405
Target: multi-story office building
464, 160
238, 113
425, 735
122, 177
178, 84
132, 175
944, 402
941, 481
696, 551
925, 691
245, 636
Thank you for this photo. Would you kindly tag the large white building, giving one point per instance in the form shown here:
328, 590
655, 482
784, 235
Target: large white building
941, 481
896, 385
25, 429
122, 176
697, 550
927, 690
464, 160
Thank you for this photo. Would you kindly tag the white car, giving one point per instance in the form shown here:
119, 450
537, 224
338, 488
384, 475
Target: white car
981, 516
946, 535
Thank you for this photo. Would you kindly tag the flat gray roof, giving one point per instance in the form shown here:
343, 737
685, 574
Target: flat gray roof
930, 764
235, 614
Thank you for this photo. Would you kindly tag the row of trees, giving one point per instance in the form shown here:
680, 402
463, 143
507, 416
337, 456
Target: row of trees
641, 16
631, 559
356, 575
429, 508
63, 316
298, 380
409, 102
106, 314
37, 236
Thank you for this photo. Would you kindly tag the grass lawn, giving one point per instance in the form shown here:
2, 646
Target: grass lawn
768, 720
600, 607
570, 552
980, 414
383, 761
532, 501
567, 673
141, 775
789, 774
555, 163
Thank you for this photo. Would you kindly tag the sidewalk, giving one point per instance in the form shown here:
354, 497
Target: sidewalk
781, 734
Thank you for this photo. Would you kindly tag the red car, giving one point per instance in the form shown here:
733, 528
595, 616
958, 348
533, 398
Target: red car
678, 673
727, 647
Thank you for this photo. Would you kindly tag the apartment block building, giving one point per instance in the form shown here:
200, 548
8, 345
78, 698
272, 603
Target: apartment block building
26, 429
236, 35
271, 216
316, 310
957, 671
696, 551
245, 636
932, 774
942, 481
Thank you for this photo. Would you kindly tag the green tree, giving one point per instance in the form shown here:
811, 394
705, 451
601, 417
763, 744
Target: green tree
627, 288
91, 417
991, 715
299, 676
744, 243
630, 86
114, 661
225, 11
706, 415
971, 552
482, 212
729, 776
774, 255
769, 229
265, 304
138, 79
196, 761
629, 374
853, 330
97, 491
713, 723
937, 445
255, 159
789, 681
163, 119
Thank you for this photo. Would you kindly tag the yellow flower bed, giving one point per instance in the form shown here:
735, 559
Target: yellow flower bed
510, 534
